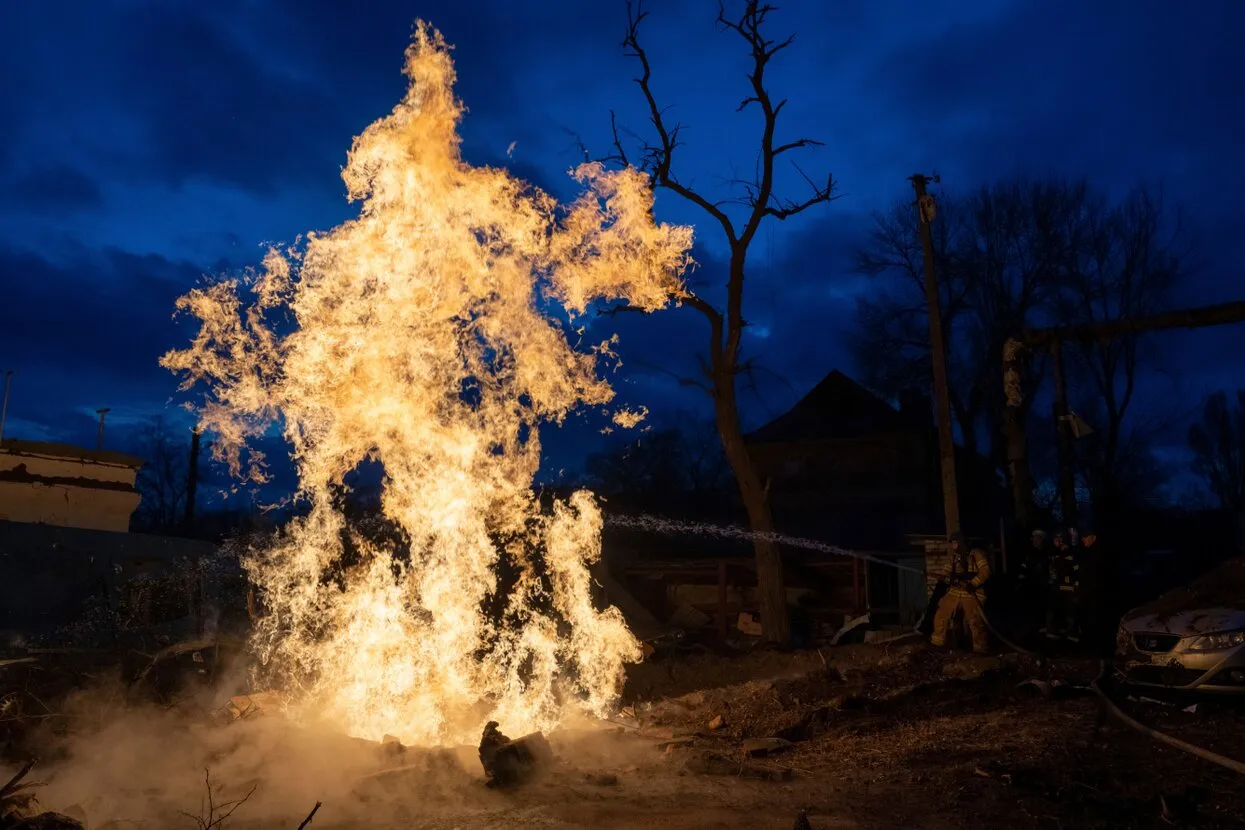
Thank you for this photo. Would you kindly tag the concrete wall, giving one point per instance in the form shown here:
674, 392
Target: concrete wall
67, 505
66, 486
53, 467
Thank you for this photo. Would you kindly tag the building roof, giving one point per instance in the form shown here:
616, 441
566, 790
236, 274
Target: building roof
837, 407
13, 446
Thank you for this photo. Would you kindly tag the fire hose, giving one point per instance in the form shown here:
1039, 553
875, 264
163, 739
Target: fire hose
1162, 737
1123, 717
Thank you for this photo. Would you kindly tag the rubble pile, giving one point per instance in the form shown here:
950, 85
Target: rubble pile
913, 733
20, 810
849, 678
897, 734
750, 727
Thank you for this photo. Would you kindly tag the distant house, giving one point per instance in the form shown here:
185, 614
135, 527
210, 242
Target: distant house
846, 467
67, 486
842, 467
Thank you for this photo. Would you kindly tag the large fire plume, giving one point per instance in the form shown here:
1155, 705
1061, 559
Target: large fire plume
422, 335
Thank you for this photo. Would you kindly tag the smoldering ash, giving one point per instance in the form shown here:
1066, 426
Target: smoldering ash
420, 335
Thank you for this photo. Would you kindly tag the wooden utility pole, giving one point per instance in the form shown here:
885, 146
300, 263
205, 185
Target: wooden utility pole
938, 358
4, 408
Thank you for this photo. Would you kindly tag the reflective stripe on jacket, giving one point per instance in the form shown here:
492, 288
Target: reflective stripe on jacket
1065, 570
967, 573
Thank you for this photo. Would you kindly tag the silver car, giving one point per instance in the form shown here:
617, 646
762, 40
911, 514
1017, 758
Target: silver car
1190, 639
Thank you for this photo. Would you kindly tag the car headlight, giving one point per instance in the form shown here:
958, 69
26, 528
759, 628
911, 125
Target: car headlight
1218, 641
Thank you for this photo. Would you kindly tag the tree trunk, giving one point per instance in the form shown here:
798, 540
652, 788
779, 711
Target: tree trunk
771, 587
1014, 433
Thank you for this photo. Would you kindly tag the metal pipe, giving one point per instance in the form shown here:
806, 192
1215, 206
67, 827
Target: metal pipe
99, 444
4, 408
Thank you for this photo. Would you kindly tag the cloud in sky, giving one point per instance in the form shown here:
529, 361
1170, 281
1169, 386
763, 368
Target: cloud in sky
143, 144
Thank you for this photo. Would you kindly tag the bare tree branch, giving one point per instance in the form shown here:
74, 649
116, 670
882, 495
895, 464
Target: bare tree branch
1117, 265
163, 480
620, 153
796, 145
682, 380
746, 370
580, 146
621, 308
209, 818
1218, 445
662, 157
754, 366
759, 194
789, 208
684, 298
749, 27
310, 816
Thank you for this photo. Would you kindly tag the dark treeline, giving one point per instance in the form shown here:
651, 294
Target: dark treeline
1023, 254
674, 467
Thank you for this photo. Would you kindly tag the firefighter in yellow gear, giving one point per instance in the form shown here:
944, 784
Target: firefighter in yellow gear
966, 575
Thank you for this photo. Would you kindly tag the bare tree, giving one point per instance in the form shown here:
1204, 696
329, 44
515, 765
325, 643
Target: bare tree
1135, 479
649, 464
1123, 262
1012, 265
890, 341
997, 252
705, 467
1011, 256
1218, 445
682, 462
163, 479
758, 202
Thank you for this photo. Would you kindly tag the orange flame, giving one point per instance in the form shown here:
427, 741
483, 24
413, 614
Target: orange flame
417, 335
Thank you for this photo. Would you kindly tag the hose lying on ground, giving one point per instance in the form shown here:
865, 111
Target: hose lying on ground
998, 636
1122, 717
1162, 737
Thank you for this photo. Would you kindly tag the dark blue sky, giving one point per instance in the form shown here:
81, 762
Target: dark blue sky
143, 144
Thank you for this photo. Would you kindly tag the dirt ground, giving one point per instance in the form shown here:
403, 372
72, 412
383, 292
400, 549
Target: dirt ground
859, 736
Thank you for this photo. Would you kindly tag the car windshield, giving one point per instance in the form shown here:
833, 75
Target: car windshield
1221, 587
